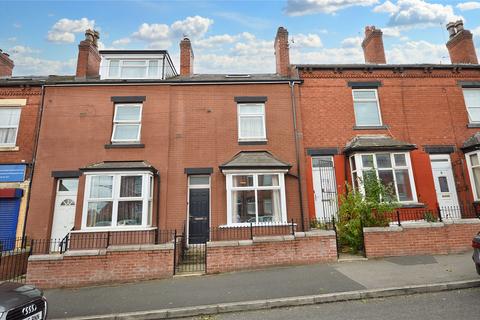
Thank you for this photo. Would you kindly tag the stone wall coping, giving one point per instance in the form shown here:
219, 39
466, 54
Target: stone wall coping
383, 229
462, 221
214, 244
299, 234
273, 239
89, 252
245, 242
414, 225
140, 247
46, 257
319, 233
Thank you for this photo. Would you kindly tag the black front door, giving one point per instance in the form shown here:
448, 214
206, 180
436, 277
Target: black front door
199, 210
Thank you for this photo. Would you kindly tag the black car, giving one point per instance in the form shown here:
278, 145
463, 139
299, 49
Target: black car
21, 302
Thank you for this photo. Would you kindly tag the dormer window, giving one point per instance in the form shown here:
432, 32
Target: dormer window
135, 64
134, 69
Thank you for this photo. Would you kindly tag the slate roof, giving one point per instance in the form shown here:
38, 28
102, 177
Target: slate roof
255, 160
472, 143
120, 165
376, 143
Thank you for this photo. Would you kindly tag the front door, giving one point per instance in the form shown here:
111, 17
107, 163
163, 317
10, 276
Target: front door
324, 188
445, 185
65, 205
198, 209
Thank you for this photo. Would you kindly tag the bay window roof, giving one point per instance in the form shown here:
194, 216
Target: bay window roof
376, 143
472, 143
120, 166
255, 160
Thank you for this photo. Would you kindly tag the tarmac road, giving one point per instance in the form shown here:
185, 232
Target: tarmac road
457, 305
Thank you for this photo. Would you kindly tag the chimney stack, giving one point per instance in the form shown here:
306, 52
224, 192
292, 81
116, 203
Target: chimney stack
372, 45
88, 62
460, 44
186, 57
6, 65
282, 52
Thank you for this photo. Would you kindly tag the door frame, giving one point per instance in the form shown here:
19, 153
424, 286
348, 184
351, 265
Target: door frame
334, 176
447, 157
198, 186
65, 193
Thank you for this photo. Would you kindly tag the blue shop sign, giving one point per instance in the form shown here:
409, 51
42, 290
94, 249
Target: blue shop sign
12, 172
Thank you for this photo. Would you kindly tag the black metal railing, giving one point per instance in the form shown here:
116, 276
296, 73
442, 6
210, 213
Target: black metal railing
14, 255
250, 230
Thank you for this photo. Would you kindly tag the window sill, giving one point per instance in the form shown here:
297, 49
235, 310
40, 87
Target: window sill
113, 229
473, 125
7, 149
412, 205
252, 142
124, 145
383, 127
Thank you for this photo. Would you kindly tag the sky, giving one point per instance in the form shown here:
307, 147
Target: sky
230, 36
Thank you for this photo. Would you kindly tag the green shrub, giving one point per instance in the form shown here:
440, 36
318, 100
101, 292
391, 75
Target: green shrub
369, 210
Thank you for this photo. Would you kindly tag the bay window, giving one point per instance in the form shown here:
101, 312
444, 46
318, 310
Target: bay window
256, 197
394, 170
118, 200
473, 163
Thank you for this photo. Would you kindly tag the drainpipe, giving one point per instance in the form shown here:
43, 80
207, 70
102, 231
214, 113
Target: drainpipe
297, 150
34, 159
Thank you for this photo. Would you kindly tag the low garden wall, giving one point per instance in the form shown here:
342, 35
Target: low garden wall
301, 248
417, 238
79, 268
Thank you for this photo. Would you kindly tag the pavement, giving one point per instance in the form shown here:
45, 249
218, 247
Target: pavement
262, 288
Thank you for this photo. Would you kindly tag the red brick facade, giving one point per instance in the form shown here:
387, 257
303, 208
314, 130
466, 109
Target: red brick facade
422, 238
183, 126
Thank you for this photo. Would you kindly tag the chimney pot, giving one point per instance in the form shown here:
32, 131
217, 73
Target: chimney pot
282, 52
372, 45
459, 25
451, 29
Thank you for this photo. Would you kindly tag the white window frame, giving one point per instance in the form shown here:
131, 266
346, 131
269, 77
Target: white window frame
142, 62
376, 100
239, 116
127, 122
470, 172
360, 168
471, 107
147, 196
281, 186
16, 127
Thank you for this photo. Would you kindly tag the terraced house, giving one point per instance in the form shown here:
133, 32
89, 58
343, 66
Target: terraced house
416, 125
130, 147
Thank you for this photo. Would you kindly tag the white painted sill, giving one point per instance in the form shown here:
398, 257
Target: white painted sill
110, 229
9, 148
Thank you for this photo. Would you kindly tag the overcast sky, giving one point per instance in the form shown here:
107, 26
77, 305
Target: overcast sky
230, 36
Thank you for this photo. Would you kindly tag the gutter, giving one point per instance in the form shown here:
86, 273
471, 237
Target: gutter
190, 82
297, 150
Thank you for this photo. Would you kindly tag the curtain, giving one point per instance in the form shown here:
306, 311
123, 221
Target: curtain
7, 135
131, 186
251, 126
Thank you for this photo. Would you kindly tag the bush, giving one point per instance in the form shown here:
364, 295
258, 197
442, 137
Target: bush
369, 210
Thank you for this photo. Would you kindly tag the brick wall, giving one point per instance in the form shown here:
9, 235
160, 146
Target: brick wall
421, 238
92, 267
261, 252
